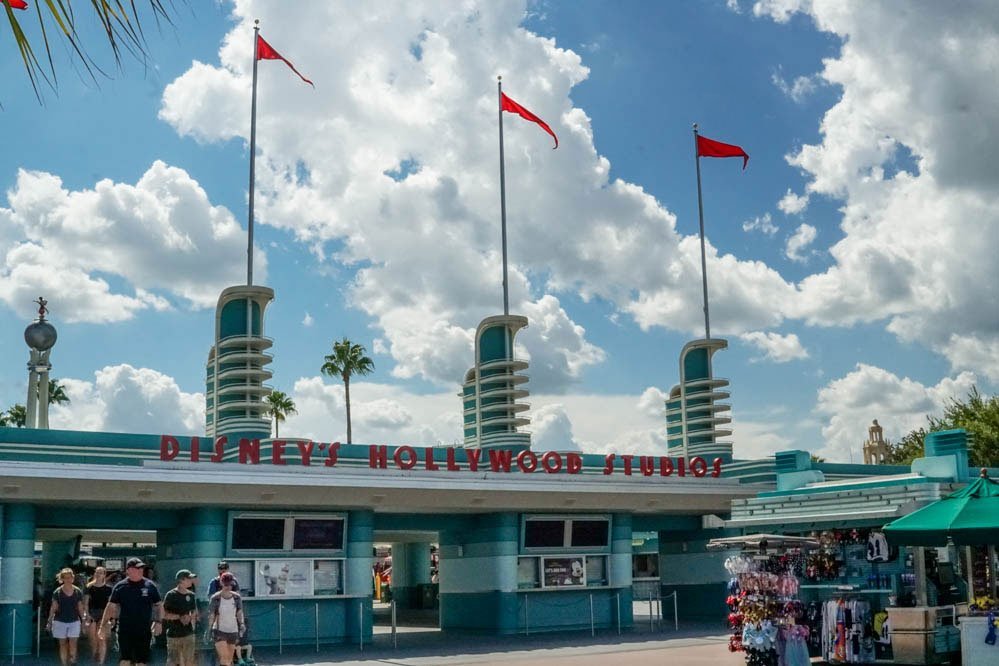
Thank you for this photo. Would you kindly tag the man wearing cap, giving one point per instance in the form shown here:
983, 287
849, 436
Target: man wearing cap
135, 603
215, 586
180, 613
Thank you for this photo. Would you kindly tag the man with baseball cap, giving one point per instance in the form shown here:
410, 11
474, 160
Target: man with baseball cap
214, 585
180, 613
135, 603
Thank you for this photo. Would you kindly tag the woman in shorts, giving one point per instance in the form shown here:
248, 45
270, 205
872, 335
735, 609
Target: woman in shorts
225, 617
95, 598
66, 616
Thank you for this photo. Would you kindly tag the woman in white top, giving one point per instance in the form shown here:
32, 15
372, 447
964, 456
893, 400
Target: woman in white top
225, 609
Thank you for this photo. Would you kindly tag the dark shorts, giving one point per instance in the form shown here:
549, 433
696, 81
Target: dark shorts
133, 645
225, 637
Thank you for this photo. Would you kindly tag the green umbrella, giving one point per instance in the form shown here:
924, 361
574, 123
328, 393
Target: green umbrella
969, 517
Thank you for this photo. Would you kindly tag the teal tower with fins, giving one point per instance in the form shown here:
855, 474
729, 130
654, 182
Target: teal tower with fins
492, 417
696, 420
237, 366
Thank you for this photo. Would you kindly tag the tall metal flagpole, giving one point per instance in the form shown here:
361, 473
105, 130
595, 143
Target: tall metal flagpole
700, 214
253, 154
499, 99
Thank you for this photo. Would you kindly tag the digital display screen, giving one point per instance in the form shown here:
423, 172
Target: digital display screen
318, 534
544, 534
589, 533
258, 533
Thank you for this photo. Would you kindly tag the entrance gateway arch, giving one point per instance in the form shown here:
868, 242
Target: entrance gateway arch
299, 533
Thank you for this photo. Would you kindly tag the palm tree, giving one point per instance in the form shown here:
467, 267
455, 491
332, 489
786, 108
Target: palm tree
347, 359
280, 407
121, 23
57, 393
17, 416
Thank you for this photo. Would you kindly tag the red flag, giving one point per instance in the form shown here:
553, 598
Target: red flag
507, 104
266, 52
17, 4
710, 148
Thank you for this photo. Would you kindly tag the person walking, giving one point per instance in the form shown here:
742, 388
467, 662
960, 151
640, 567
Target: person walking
95, 600
180, 615
66, 616
225, 612
214, 585
135, 603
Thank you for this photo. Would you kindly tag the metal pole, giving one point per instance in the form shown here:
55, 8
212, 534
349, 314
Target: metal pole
280, 628
253, 154
360, 625
651, 618
527, 614
617, 606
395, 640
38, 632
676, 616
317, 627
700, 214
506, 291
659, 610
593, 631
13, 631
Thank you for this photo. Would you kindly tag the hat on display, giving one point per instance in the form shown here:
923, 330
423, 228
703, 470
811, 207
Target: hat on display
185, 573
134, 563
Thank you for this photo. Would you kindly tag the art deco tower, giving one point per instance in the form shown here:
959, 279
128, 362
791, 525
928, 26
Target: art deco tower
236, 369
491, 414
695, 419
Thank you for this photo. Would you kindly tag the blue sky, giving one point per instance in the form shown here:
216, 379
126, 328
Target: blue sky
882, 309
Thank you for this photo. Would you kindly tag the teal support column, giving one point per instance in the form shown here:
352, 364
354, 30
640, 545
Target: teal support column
17, 546
478, 575
55, 556
360, 556
402, 587
620, 566
197, 544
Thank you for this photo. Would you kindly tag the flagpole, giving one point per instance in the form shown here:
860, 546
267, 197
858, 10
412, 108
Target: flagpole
253, 154
700, 214
506, 292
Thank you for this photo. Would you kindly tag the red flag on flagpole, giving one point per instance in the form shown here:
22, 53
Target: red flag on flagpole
266, 52
18, 4
710, 148
507, 104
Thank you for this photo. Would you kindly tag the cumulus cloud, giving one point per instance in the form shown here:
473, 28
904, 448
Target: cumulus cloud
123, 398
761, 223
308, 320
776, 347
551, 430
793, 204
907, 147
798, 242
900, 404
384, 169
161, 236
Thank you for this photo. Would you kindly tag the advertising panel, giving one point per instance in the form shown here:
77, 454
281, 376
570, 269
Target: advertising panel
564, 571
283, 578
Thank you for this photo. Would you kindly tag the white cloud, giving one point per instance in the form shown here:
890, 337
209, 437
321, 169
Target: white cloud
424, 239
551, 430
776, 347
162, 236
126, 399
652, 402
793, 204
308, 320
799, 241
900, 404
762, 223
907, 147
797, 90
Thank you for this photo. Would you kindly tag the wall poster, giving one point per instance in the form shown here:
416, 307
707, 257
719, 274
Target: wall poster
564, 571
283, 578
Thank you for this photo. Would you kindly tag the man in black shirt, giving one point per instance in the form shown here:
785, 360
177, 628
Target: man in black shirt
180, 612
135, 603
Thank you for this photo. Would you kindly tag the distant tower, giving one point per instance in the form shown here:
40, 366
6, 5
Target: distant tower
693, 414
41, 337
876, 448
236, 369
491, 414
